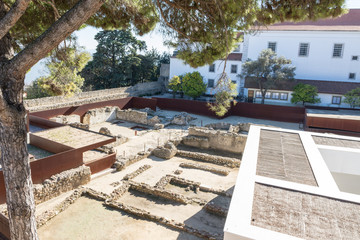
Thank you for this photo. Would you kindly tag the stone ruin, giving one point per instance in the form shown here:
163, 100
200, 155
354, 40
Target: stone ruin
238, 128
166, 152
202, 137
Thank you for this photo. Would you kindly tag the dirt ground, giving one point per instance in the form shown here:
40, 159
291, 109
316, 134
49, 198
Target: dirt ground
89, 219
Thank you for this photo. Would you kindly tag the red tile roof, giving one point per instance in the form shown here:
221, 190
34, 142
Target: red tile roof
330, 87
346, 22
235, 57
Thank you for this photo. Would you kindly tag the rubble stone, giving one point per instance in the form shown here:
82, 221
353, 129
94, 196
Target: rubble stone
60, 183
182, 119
168, 151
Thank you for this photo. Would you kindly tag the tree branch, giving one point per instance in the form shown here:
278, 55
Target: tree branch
11, 17
51, 38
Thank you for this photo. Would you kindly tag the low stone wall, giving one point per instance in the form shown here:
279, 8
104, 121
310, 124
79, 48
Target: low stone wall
205, 168
202, 137
40, 104
60, 183
137, 117
99, 115
121, 162
218, 160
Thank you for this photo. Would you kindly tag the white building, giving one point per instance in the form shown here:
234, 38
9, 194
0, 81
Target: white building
211, 73
326, 53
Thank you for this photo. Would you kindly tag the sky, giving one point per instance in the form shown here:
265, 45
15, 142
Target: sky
153, 39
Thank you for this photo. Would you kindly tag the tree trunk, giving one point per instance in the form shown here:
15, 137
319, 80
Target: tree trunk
262, 100
13, 149
16, 170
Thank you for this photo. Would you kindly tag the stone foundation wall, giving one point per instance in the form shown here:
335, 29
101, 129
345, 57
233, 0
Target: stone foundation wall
99, 115
137, 117
221, 140
60, 183
40, 104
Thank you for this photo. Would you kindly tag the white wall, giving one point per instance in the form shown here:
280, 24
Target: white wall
345, 168
178, 67
319, 65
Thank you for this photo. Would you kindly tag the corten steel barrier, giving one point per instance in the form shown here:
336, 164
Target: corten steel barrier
139, 102
190, 106
268, 112
262, 111
102, 163
44, 168
4, 227
349, 125
42, 122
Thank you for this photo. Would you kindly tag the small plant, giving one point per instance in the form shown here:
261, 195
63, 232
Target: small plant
193, 85
224, 96
175, 85
353, 97
305, 93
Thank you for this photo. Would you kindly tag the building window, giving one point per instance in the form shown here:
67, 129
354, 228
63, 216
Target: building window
268, 95
336, 100
212, 68
275, 95
352, 76
272, 46
211, 83
258, 94
338, 50
354, 58
283, 96
237, 49
234, 82
234, 68
304, 49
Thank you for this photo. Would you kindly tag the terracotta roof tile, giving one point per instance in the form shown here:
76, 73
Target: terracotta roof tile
346, 22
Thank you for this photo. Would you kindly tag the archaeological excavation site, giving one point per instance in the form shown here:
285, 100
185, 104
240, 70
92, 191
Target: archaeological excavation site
120, 167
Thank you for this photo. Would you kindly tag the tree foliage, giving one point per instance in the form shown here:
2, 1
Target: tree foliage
120, 61
224, 97
353, 97
193, 85
268, 71
305, 93
63, 66
114, 59
175, 85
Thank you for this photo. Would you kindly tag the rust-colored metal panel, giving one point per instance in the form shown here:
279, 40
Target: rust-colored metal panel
101, 164
43, 123
262, 111
139, 102
48, 145
350, 125
51, 113
190, 106
121, 103
4, 226
44, 168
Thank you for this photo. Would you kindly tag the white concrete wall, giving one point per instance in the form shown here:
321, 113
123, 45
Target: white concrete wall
345, 168
319, 64
179, 67
342, 161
